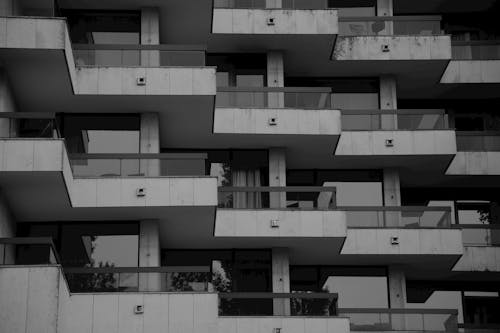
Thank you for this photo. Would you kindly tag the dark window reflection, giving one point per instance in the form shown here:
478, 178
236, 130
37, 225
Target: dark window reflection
357, 287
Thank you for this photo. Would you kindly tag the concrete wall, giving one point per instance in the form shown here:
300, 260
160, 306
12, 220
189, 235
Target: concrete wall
475, 163
479, 259
159, 81
472, 71
287, 324
292, 223
401, 48
290, 121
33, 33
411, 241
405, 143
254, 21
165, 312
29, 299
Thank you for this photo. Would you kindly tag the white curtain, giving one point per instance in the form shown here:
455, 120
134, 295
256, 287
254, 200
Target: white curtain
246, 178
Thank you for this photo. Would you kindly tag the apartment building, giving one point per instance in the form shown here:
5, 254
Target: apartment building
249, 166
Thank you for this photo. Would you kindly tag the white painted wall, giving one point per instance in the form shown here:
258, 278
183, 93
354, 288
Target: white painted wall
401, 48
293, 223
472, 71
479, 259
159, 80
287, 324
254, 21
290, 121
411, 241
439, 142
475, 163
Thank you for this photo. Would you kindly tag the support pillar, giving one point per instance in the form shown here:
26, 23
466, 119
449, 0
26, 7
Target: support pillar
281, 280
149, 254
277, 176
388, 101
275, 78
392, 197
150, 35
8, 127
150, 143
397, 296
385, 8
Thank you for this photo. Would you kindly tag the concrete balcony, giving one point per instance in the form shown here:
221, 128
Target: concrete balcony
473, 62
293, 117
368, 46
478, 154
39, 171
298, 325
396, 138
278, 217
419, 236
39, 59
295, 31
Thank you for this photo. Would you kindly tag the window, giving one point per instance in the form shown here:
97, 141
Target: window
357, 287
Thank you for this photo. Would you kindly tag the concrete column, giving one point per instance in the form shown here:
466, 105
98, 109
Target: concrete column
275, 78
388, 101
392, 196
7, 229
150, 143
397, 296
385, 8
149, 254
281, 280
8, 127
150, 35
277, 176
274, 3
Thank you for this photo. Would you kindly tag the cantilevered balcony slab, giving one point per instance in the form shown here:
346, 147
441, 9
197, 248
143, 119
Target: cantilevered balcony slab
259, 30
37, 177
472, 71
38, 57
413, 149
304, 232
299, 325
479, 259
478, 154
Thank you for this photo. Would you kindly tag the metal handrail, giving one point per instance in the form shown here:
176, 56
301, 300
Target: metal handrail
398, 311
475, 42
390, 18
270, 295
161, 269
160, 156
277, 189
276, 89
139, 47
477, 133
476, 226
32, 241
394, 208
394, 111
28, 115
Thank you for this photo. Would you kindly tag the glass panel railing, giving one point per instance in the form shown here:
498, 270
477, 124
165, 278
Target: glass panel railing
139, 279
261, 4
28, 251
269, 304
480, 235
410, 120
397, 217
416, 320
266, 97
478, 141
138, 55
137, 165
390, 25
28, 125
475, 50
291, 197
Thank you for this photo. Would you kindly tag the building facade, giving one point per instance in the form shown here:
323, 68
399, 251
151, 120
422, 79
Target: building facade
249, 166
